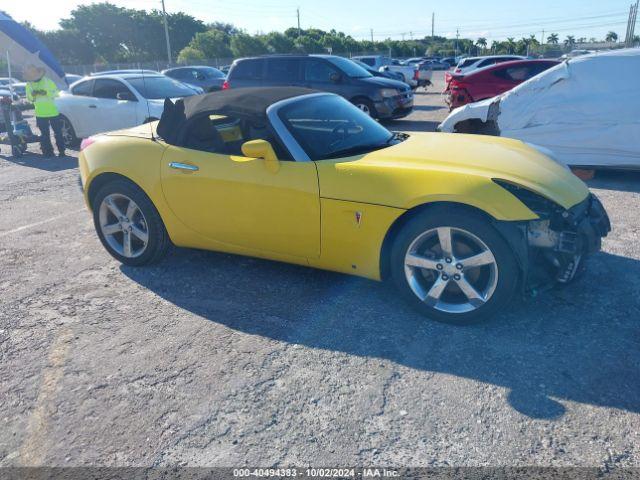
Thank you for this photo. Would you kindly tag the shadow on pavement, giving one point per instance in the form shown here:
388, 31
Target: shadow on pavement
577, 344
36, 160
621, 180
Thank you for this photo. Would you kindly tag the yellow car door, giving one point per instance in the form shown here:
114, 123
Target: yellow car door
238, 201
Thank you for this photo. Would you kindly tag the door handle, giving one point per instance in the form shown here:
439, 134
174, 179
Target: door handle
184, 166
93, 106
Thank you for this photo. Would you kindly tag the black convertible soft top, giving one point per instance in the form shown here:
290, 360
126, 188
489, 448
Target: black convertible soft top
241, 102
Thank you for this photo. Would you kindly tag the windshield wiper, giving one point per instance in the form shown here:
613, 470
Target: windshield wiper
346, 152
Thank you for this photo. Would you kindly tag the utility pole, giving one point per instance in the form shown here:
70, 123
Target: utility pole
542, 38
298, 14
631, 25
372, 35
457, 36
166, 33
433, 23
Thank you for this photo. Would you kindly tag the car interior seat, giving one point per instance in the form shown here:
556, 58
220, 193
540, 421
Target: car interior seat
204, 136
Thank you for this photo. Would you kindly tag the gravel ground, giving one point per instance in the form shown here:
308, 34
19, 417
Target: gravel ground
217, 360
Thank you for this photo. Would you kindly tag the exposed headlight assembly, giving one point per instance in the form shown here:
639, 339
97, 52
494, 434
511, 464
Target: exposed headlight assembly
389, 92
541, 206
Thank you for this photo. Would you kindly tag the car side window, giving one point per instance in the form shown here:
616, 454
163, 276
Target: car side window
368, 60
248, 70
109, 89
518, 73
283, 69
83, 89
180, 74
316, 70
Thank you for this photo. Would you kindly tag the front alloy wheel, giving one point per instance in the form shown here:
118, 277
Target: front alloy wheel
454, 266
451, 270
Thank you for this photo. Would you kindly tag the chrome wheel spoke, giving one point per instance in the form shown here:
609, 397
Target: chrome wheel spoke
140, 234
419, 261
475, 298
126, 243
111, 229
132, 208
435, 292
446, 244
478, 260
113, 207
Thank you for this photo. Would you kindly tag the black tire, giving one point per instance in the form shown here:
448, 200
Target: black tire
68, 133
508, 272
364, 103
158, 242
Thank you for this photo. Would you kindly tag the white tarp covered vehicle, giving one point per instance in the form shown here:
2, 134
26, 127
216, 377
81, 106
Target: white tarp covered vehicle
585, 110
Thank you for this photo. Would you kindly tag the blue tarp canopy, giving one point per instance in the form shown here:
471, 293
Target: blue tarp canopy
24, 49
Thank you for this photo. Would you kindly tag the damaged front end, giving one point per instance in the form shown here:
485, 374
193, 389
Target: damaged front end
560, 239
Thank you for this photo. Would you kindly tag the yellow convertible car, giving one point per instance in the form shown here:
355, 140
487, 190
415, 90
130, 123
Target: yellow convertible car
459, 223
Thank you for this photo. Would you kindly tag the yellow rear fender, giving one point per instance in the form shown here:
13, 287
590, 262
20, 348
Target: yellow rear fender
136, 159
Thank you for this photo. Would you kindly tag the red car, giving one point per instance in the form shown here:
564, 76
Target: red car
491, 81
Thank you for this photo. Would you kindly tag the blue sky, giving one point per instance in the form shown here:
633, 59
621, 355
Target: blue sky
494, 19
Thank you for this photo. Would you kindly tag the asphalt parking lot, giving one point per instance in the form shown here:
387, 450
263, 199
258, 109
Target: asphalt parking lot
211, 359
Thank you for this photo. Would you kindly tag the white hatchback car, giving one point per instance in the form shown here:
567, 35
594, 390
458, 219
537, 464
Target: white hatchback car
113, 102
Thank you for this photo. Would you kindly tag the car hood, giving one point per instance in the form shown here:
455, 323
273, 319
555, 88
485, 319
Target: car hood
455, 164
384, 82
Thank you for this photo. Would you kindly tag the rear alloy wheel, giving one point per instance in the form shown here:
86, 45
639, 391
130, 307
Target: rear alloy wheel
128, 224
68, 133
454, 268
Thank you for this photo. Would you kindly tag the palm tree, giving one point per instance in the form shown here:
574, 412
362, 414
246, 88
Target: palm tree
553, 39
482, 42
611, 37
570, 41
511, 44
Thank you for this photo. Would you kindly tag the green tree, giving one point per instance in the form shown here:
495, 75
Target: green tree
570, 41
212, 44
482, 43
243, 45
611, 37
511, 44
276, 42
553, 39
190, 55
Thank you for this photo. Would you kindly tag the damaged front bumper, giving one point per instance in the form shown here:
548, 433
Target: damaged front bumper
559, 242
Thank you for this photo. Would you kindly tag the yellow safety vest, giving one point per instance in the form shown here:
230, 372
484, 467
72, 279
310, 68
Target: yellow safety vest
44, 100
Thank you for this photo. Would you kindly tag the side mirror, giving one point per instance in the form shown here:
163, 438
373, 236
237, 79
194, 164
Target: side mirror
262, 149
335, 77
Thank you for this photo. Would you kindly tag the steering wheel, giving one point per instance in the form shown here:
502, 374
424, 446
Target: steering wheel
344, 128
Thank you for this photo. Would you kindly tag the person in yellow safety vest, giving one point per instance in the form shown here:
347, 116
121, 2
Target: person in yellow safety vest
41, 91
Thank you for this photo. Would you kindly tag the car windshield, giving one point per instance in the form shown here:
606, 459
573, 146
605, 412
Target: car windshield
328, 126
211, 72
349, 68
154, 88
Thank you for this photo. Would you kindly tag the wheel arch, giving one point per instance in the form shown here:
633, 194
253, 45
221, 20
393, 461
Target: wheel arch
509, 231
103, 179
